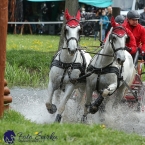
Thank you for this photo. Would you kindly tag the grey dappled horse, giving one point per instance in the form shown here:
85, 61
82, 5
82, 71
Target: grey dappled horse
68, 65
111, 69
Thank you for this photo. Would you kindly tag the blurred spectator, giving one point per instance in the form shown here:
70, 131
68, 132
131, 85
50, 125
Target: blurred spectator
142, 18
109, 15
104, 21
83, 12
26, 28
44, 12
140, 4
97, 25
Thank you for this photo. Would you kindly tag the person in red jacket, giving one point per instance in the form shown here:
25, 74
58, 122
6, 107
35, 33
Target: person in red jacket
137, 30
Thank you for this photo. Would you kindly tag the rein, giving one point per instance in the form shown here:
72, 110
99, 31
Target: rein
100, 54
110, 38
97, 53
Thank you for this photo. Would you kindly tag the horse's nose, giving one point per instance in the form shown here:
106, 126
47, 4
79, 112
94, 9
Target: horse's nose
120, 61
72, 52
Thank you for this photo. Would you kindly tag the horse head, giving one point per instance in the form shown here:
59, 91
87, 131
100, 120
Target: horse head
72, 32
118, 39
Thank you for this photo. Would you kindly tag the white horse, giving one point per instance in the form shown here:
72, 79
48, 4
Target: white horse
68, 65
112, 70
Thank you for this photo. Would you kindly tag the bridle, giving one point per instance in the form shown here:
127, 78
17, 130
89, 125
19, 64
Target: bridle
71, 38
111, 38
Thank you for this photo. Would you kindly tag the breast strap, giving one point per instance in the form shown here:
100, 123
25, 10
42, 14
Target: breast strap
105, 70
73, 65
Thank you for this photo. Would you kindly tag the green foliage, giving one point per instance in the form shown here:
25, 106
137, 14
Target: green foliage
29, 57
27, 67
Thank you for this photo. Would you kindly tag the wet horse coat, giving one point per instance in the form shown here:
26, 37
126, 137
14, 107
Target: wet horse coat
68, 65
110, 68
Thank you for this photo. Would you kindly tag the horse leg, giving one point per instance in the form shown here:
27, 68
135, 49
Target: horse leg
81, 93
67, 94
56, 97
50, 107
94, 107
89, 93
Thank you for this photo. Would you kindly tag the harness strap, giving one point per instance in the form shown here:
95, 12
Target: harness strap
84, 62
70, 67
97, 84
54, 58
61, 82
106, 70
63, 65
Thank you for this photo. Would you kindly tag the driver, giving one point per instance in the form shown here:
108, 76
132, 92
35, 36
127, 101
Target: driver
137, 30
131, 44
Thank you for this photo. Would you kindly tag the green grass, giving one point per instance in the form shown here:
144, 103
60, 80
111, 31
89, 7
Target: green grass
69, 134
28, 58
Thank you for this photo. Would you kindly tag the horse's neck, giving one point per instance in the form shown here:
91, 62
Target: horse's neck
101, 61
65, 57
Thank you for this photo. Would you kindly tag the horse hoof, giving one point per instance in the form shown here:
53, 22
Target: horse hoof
93, 109
84, 119
51, 109
58, 118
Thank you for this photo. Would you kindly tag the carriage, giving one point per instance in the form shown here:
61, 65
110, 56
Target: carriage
110, 71
135, 96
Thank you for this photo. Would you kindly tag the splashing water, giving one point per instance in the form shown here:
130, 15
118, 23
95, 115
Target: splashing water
31, 103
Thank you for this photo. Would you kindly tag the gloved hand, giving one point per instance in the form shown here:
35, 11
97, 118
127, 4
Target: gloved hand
128, 49
142, 53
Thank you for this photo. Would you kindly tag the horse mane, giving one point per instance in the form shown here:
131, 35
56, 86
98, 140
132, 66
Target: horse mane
107, 38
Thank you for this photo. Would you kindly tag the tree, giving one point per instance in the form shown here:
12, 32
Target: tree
72, 6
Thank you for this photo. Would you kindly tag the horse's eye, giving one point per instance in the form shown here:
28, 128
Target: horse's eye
80, 31
65, 31
114, 38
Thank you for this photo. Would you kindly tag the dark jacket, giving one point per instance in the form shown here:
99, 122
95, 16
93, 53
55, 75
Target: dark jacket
96, 24
142, 19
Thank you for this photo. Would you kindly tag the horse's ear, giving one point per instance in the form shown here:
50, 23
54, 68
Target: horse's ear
78, 15
67, 15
